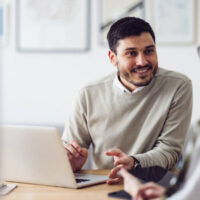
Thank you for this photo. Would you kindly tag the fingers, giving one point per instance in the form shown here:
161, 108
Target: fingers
125, 160
150, 185
76, 154
114, 172
150, 190
71, 150
114, 181
114, 152
84, 152
114, 177
69, 155
76, 145
120, 158
74, 150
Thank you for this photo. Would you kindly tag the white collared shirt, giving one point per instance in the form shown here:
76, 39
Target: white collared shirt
123, 88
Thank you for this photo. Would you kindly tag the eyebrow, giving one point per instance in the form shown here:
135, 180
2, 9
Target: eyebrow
150, 46
147, 47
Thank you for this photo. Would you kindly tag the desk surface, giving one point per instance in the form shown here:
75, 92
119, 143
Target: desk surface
40, 192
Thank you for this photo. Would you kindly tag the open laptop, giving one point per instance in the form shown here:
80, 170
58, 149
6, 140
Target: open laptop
32, 154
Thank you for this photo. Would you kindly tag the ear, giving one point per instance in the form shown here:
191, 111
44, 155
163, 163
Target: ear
113, 58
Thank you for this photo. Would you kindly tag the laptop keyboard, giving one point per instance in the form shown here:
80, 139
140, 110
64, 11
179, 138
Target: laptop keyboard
79, 180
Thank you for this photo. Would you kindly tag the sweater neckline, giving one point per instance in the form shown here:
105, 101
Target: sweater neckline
137, 94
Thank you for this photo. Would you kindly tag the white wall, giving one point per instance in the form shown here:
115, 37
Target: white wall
39, 88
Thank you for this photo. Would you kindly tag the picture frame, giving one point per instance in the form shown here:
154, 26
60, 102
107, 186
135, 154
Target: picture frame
175, 22
46, 26
3, 24
112, 10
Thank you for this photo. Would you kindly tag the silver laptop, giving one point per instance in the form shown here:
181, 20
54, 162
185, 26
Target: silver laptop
33, 154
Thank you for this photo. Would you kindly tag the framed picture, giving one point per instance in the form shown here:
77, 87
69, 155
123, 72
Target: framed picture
1, 23
3, 19
112, 10
52, 25
175, 21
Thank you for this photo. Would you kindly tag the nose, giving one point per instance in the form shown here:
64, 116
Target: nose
141, 60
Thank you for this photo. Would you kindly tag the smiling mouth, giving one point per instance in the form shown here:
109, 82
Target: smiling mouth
142, 70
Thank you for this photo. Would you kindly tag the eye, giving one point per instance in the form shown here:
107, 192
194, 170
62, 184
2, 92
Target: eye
131, 53
149, 51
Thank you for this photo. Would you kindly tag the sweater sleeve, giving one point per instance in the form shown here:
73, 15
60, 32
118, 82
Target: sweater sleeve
76, 127
169, 144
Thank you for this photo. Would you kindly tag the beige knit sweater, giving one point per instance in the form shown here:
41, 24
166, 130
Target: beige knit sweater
150, 124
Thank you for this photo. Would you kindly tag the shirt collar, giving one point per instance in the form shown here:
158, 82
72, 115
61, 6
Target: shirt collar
123, 88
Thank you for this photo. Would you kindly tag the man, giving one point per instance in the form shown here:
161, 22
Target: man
189, 188
139, 116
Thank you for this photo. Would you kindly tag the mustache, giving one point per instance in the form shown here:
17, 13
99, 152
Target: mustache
141, 67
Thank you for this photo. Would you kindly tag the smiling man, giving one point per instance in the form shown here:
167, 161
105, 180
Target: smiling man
135, 118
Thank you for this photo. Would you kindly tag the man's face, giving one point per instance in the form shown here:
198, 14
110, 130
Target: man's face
136, 60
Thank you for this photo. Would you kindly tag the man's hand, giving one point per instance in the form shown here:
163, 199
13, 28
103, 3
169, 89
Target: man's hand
120, 160
76, 154
138, 190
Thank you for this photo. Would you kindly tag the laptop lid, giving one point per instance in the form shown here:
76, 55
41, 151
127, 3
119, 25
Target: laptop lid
33, 154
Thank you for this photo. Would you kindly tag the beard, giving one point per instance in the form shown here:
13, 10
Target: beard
143, 80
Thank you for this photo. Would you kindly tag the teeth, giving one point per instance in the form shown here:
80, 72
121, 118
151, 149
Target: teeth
141, 71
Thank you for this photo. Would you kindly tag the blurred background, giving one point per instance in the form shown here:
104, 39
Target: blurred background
52, 48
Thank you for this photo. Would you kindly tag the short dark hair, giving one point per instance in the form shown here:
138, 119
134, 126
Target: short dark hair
125, 27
